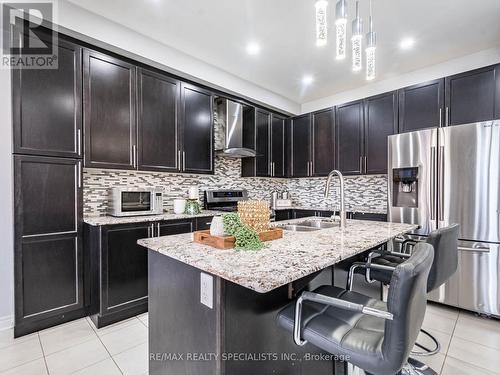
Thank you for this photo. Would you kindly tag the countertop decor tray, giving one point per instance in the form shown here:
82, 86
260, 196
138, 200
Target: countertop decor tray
227, 242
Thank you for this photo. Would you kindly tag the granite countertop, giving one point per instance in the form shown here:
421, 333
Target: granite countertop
112, 220
364, 210
282, 261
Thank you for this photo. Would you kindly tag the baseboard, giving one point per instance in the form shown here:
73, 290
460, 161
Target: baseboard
6, 322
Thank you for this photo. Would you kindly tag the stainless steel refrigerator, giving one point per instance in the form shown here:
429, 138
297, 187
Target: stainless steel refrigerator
438, 177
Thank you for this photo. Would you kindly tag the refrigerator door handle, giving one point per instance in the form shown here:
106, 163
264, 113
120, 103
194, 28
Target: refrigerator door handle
441, 184
479, 249
433, 183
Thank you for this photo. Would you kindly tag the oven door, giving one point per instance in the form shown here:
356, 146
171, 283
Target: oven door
136, 203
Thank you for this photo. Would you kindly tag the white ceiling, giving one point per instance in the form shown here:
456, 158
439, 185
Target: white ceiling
218, 31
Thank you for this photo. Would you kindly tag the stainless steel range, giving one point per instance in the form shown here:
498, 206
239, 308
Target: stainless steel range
224, 199
438, 177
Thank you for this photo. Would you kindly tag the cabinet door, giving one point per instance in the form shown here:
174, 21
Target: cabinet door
109, 111
124, 267
48, 254
203, 223
297, 214
157, 142
47, 106
381, 114
421, 106
470, 96
263, 158
277, 146
197, 122
168, 228
323, 142
301, 146
350, 138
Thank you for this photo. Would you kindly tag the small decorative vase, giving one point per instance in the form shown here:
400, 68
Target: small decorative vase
192, 207
217, 226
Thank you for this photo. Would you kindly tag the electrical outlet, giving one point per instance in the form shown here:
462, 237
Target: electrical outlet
207, 290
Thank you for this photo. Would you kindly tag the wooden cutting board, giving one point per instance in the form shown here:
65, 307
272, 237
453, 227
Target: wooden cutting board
227, 242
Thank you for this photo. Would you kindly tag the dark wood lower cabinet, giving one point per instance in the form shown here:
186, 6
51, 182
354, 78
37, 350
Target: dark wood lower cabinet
119, 267
49, 256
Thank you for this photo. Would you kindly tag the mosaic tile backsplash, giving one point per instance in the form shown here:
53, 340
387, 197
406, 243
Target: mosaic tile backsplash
361, 191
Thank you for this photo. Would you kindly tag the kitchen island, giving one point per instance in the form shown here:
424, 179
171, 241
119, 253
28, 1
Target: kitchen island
233, 331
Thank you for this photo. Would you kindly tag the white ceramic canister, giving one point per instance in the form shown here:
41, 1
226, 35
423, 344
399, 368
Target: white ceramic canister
179, 206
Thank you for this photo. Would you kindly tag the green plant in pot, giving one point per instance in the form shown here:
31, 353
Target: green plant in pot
246, 237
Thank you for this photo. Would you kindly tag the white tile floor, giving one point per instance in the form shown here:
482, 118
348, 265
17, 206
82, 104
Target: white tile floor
470, 346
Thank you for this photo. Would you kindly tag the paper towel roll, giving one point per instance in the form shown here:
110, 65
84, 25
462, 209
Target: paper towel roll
193, 192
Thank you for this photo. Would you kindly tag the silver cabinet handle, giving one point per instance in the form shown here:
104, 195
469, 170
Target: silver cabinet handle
308, 173
274, 169
79, 141
447, 117
79, 172
183, 161
134, 156
179, 157
440, 117
366, 164
157, 229
361, 164
150, 226
311, 168
270, 169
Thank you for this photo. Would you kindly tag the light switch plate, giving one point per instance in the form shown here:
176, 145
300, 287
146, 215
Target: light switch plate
207, 290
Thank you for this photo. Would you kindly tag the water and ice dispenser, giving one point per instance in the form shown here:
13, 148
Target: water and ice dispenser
405, 187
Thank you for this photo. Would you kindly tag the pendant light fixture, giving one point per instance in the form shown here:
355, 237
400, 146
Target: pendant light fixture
321, 22
357, 41
371, 46
340, 29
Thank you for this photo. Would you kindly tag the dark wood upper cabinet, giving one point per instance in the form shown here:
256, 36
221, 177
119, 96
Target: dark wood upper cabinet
197, 130
349, 137
157, 126
381, 121
300, 133
473, 96
323, 142
421, 106
109, 111
47, 106
262, 138
278, 167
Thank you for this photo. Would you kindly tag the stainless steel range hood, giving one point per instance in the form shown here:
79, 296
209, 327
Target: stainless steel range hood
228, 119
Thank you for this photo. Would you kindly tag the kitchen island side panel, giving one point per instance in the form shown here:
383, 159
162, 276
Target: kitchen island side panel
179, 325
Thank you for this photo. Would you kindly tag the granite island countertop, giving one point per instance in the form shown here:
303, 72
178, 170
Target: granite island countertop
112, 220
296, 255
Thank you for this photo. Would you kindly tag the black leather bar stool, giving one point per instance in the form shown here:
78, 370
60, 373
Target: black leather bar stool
371, 334
445, 243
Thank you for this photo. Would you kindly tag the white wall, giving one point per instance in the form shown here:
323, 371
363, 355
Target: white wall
462, 64
89, 24
6, 206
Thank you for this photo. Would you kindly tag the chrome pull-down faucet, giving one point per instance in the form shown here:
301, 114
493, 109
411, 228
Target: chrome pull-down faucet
342, 213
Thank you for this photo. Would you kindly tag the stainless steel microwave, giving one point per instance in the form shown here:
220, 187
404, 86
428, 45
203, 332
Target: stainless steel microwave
135, 202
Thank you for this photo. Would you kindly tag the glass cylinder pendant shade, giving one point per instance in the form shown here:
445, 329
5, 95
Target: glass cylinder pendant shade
357, 41
371, 46
321, 22
340, 29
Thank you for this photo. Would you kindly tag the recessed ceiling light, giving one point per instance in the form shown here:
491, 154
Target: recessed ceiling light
407, 43
307, 79
253, 48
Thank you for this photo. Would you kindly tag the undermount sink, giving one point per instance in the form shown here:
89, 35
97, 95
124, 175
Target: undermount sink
299, 228
311, 225
319, 224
